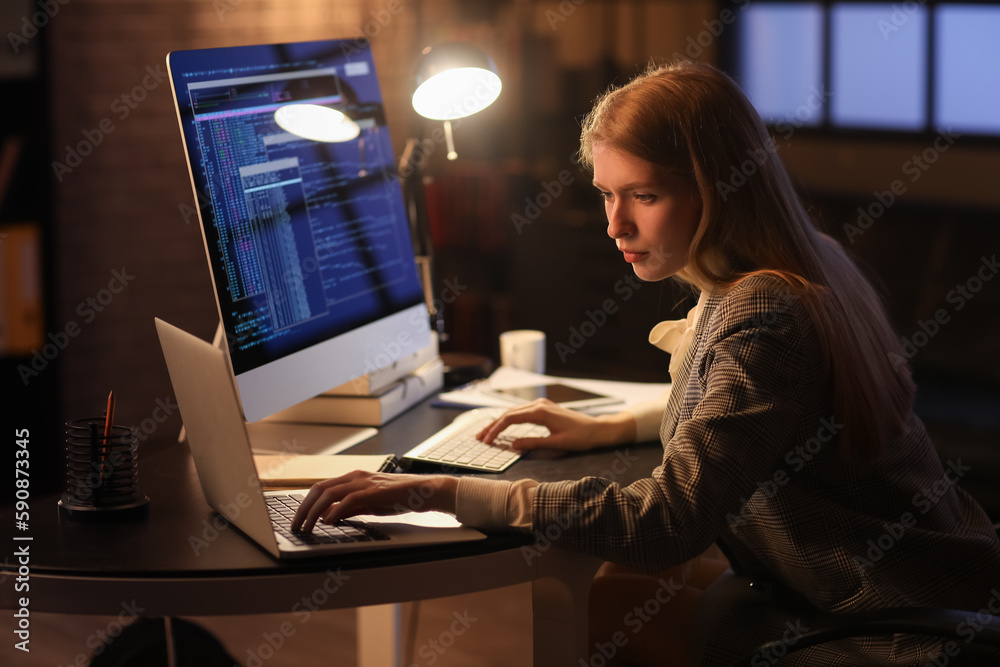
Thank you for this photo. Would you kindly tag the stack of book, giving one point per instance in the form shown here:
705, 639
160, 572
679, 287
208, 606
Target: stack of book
375, 398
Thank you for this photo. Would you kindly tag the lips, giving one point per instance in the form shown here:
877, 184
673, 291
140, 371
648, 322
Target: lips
632, 257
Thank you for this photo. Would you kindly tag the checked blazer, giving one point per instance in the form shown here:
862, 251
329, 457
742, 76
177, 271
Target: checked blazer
751, 462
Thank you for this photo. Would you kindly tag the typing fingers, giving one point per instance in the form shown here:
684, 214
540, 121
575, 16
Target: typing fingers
529, 444
362, 492
319, 499
530, 413
352, 504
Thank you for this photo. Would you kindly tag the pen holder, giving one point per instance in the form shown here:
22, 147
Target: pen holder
102, 473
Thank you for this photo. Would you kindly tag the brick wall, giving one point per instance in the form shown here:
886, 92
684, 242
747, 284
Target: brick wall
120, 209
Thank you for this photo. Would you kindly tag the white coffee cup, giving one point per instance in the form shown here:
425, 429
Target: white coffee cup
523, 349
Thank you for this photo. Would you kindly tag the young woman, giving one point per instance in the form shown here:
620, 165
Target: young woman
789, 437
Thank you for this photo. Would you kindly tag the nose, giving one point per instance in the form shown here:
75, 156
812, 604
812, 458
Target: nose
619, 220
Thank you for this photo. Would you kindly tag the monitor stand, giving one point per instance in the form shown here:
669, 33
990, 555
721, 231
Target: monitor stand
288, 438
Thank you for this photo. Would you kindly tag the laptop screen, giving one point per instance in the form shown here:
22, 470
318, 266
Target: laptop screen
306, 239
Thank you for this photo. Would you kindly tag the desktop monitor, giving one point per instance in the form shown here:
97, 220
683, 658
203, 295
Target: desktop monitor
307, 240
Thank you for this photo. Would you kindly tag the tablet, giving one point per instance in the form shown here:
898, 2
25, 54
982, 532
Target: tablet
567, 396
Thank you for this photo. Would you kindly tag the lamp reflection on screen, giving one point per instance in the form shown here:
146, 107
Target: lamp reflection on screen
316, 122
450, 81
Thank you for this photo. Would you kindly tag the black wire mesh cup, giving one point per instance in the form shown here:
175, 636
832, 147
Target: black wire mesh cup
102, 473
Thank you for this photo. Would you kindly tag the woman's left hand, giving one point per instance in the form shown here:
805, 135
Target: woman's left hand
361, 492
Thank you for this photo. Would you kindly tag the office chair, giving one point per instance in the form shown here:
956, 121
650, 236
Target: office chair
942, 623
930, 622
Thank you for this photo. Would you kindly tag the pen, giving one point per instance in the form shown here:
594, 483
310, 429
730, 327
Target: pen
109, 415
109, 420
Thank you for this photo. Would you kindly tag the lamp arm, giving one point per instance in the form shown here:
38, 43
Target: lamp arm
411, 172
411, 169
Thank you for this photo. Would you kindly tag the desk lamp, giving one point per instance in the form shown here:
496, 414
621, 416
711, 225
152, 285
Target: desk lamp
450, 81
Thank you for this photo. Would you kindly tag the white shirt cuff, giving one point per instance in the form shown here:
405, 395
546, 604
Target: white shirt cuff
491, 504
648, 417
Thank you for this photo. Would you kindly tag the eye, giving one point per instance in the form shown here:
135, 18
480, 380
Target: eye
605, 196
644, 198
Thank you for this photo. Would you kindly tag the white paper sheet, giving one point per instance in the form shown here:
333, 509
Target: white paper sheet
631, 393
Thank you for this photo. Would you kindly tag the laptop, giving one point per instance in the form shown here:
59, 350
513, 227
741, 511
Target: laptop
221, 448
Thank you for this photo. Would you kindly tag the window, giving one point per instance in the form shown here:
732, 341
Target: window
780, 67
901, 67
967, 69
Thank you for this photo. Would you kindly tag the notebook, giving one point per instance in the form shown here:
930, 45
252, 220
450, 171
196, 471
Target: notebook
297, 471
220, 446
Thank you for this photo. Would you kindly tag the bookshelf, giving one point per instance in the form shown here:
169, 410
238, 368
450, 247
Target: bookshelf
30, 345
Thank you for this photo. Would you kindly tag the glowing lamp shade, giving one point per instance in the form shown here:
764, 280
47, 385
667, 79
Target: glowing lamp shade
316, 122
453, 81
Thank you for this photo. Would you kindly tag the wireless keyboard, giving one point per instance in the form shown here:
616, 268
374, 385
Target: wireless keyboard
456, 444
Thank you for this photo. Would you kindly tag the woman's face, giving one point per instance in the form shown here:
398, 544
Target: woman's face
652, 212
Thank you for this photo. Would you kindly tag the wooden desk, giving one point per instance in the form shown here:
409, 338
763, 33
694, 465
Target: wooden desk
184, 561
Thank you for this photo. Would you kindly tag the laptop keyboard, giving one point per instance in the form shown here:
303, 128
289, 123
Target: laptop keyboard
282, 510
456, 444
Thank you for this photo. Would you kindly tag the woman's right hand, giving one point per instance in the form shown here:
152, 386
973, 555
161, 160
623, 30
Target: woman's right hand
569, 430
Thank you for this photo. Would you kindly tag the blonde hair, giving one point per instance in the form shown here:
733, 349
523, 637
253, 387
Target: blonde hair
694, 120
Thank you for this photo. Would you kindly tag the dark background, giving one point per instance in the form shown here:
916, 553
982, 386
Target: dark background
128, 204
